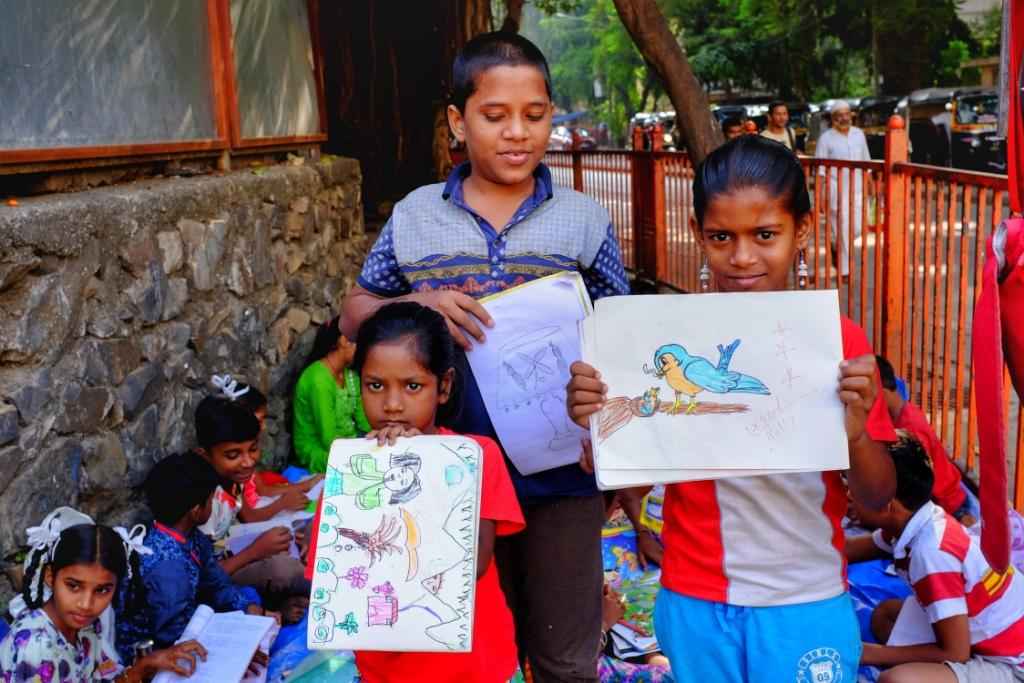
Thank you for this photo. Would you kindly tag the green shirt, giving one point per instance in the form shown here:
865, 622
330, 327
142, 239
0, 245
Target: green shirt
323, 412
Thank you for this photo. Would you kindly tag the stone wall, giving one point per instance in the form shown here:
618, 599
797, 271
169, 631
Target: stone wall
117, 304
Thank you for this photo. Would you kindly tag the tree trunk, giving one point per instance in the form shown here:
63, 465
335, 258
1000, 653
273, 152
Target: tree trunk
513, 15
650, 32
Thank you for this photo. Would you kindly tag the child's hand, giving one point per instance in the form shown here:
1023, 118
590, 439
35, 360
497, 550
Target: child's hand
181, 659
271, 542
389, 435
585, 393
307, 485
293, 500
858, 389
462, 313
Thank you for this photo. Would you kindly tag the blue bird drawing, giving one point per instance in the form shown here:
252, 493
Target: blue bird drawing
690, 375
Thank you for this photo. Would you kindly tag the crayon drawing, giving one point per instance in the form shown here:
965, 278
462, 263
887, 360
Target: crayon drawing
399, 560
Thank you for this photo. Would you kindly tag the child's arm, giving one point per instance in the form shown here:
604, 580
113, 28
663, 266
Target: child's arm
485, 549
215, 585
269, 543
952, 644
863, 548
279, 489
292, 500
462, 312
872, 476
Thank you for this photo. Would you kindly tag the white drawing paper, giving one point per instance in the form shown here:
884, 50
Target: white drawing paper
716, 385
523, 367
395, 564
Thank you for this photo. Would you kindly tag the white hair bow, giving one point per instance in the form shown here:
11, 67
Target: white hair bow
44, 539
228, 386
132, 544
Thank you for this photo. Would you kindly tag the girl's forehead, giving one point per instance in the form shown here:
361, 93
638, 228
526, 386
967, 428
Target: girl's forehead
94, 573
396, 357
747, 207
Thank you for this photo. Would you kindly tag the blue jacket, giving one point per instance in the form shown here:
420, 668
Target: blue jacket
180, 574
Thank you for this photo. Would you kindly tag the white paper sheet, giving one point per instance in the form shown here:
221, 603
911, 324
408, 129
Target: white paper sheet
912, 626
230, 638
787, 347
395, 561
523, 367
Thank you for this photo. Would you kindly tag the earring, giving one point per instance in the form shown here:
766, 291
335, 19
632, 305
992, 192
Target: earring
802, 274
705, 275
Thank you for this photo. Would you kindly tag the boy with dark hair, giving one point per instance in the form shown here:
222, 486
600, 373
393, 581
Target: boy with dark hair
181, 571
732, 127
227, 435
977, 615
500, 221
947, 491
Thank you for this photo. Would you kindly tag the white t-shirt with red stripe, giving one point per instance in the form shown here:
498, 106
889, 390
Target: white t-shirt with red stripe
950, 576
764, 541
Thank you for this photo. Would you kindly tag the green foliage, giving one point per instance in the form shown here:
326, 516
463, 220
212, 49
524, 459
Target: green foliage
950, 59
987, 32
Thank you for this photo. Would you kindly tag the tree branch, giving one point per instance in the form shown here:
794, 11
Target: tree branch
652, 36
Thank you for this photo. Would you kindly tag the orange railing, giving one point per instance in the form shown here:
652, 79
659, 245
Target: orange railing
904, 248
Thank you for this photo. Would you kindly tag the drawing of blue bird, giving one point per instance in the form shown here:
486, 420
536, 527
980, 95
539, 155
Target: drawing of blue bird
690, 375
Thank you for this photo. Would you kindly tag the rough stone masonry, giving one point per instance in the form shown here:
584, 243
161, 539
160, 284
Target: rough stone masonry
117, 304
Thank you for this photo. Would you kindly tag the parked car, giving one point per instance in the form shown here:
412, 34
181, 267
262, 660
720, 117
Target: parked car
873, 119
928, 122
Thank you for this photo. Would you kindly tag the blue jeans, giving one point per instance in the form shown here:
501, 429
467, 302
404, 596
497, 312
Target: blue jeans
714, 642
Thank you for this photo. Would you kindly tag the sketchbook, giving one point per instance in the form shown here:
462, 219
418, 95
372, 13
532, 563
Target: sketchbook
395, 565
716, 385
523, 367
231, 639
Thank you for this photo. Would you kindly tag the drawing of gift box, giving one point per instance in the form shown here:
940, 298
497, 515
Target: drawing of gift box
382, 610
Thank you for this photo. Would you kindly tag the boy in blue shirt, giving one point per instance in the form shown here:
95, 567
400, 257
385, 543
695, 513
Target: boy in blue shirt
181, 571
499, 221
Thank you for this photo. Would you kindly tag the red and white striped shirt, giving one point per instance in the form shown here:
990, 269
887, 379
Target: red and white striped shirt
950, 576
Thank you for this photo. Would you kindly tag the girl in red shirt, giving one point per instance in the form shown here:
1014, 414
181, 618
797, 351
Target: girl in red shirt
405, 358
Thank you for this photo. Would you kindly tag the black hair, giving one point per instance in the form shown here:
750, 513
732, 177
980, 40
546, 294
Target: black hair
327, 336
914, 475
776, 103
414, 463
221, 420
887, 373
489, 50
84, 544
252, 400
177, 484
433, 343
751, 161
731, 122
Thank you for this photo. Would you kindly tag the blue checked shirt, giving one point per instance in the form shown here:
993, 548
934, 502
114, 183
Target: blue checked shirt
435, 241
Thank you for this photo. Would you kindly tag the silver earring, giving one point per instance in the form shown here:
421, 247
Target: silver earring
705, 275
802, 274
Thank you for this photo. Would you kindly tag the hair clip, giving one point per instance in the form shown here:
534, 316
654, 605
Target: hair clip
228, 387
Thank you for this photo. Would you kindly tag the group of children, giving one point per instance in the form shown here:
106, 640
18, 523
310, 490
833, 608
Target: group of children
753, 569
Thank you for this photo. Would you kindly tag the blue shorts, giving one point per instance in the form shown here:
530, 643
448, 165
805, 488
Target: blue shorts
713, 642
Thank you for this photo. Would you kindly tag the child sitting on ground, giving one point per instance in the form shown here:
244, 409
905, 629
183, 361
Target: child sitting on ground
253, 400
948, 491
180, 569
977, 615
227, 436
73, 573
327, 404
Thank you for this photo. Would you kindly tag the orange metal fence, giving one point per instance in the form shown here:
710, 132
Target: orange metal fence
903, 244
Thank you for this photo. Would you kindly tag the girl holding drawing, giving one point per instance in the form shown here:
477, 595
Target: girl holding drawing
405, 357
73, 573
753, 578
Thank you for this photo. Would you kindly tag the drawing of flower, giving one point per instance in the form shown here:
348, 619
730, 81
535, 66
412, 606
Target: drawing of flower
350, 625
357, 577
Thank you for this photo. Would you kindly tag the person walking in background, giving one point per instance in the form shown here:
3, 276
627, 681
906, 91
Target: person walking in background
844, 142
